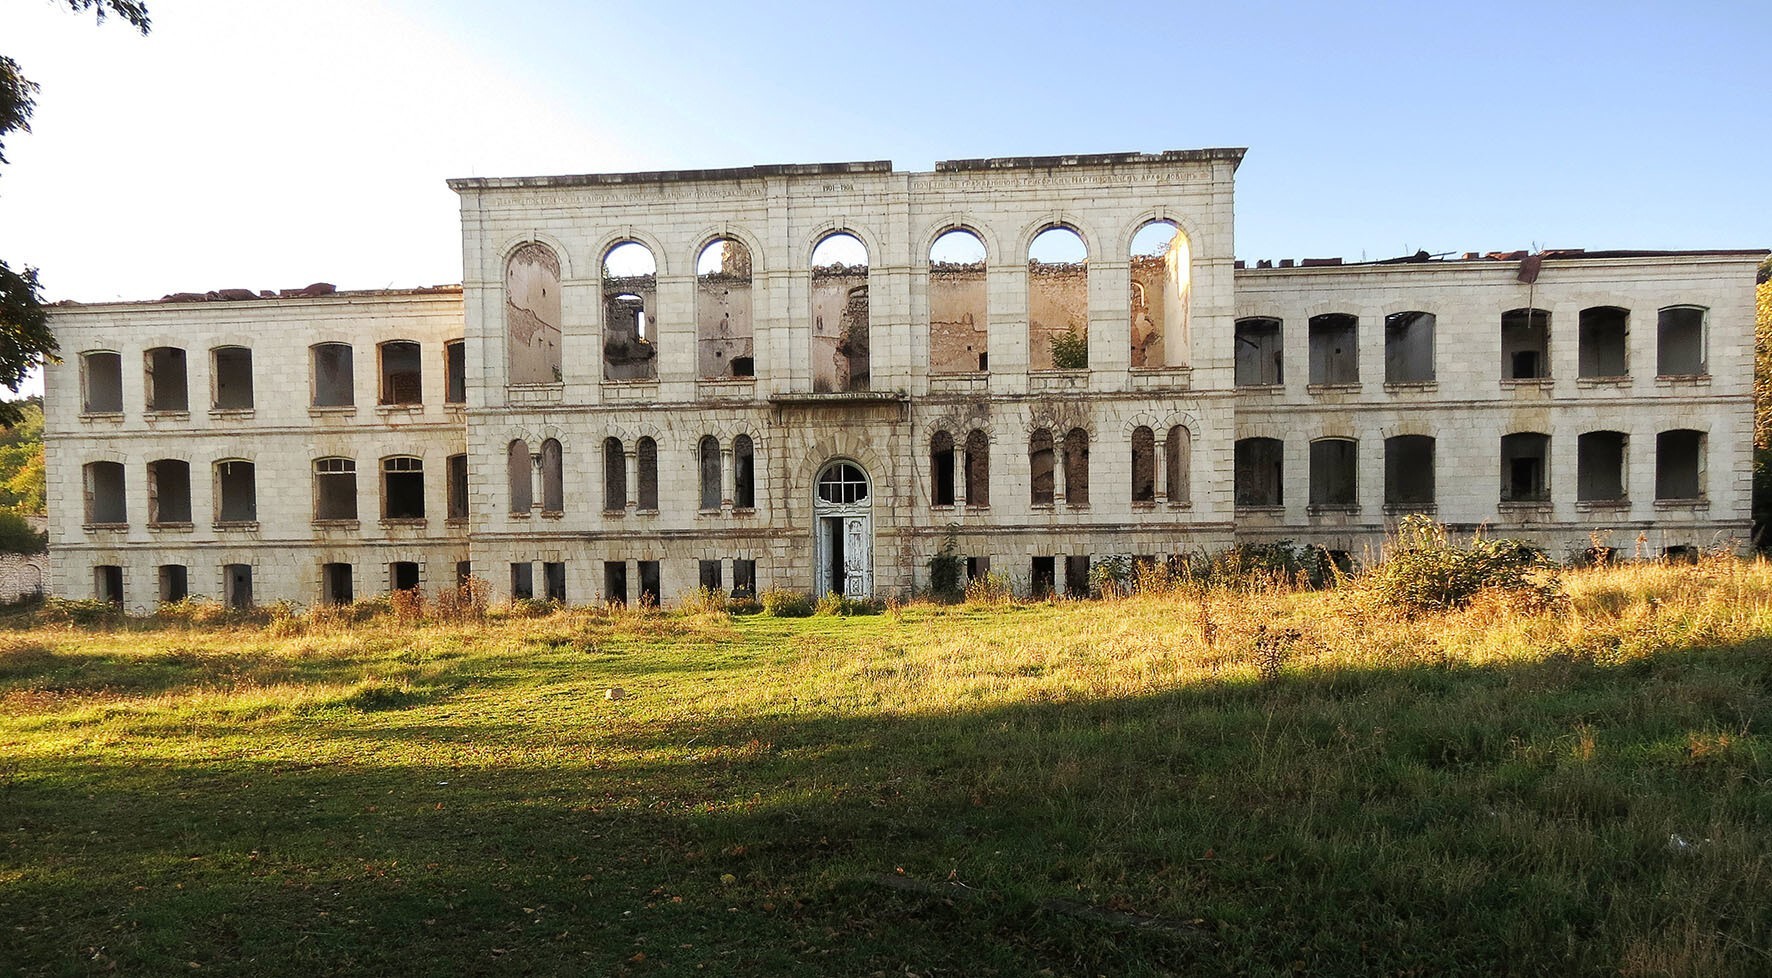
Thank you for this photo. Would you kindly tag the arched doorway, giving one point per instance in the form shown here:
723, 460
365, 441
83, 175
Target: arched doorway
843, 531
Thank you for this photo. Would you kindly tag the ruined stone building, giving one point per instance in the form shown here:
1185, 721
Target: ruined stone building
809, 376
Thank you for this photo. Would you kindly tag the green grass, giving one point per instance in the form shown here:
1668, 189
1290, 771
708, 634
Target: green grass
941, 791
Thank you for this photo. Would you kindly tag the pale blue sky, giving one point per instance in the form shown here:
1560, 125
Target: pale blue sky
260, 144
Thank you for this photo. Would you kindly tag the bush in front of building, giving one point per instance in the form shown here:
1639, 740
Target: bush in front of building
1427, 571
781, 602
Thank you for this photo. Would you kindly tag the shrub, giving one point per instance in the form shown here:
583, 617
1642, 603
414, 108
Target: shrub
989, 588
408, 605
192, 611
703, 601
464, 602
1070, 350
1425, 571
63, 611
781, 602
844, 606
745, 605
945, 568
1111, 577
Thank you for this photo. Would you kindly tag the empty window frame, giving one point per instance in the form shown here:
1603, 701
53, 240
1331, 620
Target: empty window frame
630, 301
553, 581
237, 586
615, 581
651, 583
1042, 576
1076, 575
402, 377
744, 473
165, 381
105, 498
744, 578
723, 311
553, 477
1041, 466
236, 492
522, 580
1525, 344
1258, 471
464, 572
646, 471
708, 575
615, 476
403, 488
1409, 347
101, 383
231, 370
334, 376
1058, 300
1335, 348
1076, 467
175, 582
1680, 341
455, 372
841, 352
107, 584
403, 576
1259, 356
532, 315
941, 469
1144, 465
1409, 473
1603, 342
335, 584
520, 479
1161, 291
335, 489
978, 468
1178, 449
1600, 466
707, 454
456, 501
1525, 467
1335, 467
959, 322
1679, 465
169, 492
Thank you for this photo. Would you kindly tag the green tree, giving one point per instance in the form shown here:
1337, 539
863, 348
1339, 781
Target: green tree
25, 339
1762, 503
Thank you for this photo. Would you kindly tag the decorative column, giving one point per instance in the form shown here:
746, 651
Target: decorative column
536, 482
728, 479
961, 496
1160, 474
633, 463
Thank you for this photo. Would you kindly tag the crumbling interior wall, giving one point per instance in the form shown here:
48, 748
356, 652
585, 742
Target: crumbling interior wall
1680, 347
1603, 341
519, 475
169, 492
840, 320
532, 314
101, 383
959, 320
1178, 459
1409, 347
1335, 349
334, 383
1162, 291
1599, 466
1679, 464
1260, 360
335, 584
1335, 467
1258, 472
232, 373
335, 489
630, 307
1525, 344
1058, 299
1409, 471
723, 300
1525, 467
166, 383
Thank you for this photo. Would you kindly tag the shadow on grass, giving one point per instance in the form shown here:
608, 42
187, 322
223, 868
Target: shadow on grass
1559, 817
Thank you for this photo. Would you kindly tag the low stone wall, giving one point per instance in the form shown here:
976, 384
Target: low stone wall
22, 576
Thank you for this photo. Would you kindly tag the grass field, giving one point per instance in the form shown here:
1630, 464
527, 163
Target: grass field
1153, 785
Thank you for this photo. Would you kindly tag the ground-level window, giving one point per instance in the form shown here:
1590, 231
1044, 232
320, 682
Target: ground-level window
553, 577
744, 578
522, 580
403, 575
615, 581
709, 575
335, 584
237, 585
175, 582
1043, 576
1076, 575
651, 583
107, 583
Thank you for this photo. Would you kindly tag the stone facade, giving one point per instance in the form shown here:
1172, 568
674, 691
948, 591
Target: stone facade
772, 376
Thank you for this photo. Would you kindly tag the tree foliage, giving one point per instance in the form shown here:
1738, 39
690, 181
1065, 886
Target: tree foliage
1762, 499
25, 339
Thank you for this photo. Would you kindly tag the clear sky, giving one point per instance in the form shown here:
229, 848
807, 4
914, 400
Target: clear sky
258, 144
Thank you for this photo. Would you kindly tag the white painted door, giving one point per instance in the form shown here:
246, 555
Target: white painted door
858, 557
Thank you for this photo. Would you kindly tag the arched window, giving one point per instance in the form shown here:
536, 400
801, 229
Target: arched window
843, 484
1144, 465
723, 311
708, 462
169, 492
630, 300
553, 477
1178, 449
1162, 290
236, 491
519, 470
403, 488
334, 376
1679, 464
1041, 467
1680, 338
335, 489
840, 348
105, 496
231, 378
1058, 300
941, 469
401, 376
164, 373
646, 464
1335, 465
1525, 344
1334, 348
1599, 466
1076, 467
959, 327
1409, 348
1259, 470
615, 476
744, 473
532, 314
1525, 467
978, 468
1409, 472
1602, 340
101, 383
1260, 358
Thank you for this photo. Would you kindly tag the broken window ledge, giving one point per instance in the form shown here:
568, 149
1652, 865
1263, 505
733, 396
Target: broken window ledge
942, 507
399, 407
1537, 384
232, 414
177, 526
553, 514
1047, 505
646, 511
460, 405
237, 525
1261, 509
1352, 387
1326, 509
332, 411
1601, 505
399, 521
1074, 506
103, 527
1182, 504
1410, 509
1525, 506
1698, 505
1610, 380
455, 521
1411, 386
336, 524
977, 507
518, 514
154, 416
1682, 380
614, 514
1261, 388
101, 416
